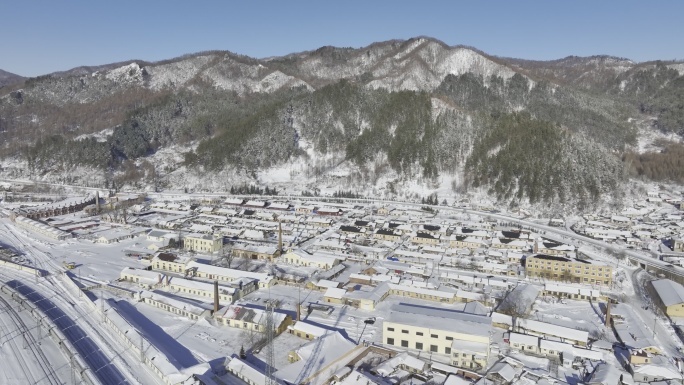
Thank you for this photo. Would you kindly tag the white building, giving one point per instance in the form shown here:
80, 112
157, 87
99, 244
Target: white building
464, 338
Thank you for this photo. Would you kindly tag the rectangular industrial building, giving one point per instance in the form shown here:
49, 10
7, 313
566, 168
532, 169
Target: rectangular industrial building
464, 337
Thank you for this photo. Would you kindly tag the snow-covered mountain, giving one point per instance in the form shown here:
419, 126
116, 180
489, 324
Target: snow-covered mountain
386, 118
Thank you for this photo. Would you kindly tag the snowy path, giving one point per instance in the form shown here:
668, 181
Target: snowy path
663, 333
351, 321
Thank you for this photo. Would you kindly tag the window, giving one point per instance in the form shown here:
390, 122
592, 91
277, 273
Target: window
390, 341
433, 348
450, 338
419, 333
390, 329
419, 345
447, 350
404, 331
404, 344
434, 336
455, 354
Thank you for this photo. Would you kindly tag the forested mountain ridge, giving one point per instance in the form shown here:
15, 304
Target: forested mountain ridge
8, 78
379, 118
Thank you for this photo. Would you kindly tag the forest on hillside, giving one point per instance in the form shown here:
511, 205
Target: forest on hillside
520, 137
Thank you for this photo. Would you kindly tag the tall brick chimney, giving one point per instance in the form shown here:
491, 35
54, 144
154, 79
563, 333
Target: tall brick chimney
216, 297
280, 238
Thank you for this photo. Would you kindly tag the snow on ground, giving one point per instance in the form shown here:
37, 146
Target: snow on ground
101, 261
580, 315
100, 136
647, 139
184, 341
350, 322
189, 342
19, 362
677, 66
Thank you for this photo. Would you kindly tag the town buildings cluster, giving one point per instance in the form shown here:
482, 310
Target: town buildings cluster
455, 297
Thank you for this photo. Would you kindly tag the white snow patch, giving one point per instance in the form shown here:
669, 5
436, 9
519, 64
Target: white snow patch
409, 49
177, 73
131, 73
678, 66
648, 137
99, 136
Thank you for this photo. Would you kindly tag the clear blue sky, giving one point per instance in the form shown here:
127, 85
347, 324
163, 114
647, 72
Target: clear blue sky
43, 36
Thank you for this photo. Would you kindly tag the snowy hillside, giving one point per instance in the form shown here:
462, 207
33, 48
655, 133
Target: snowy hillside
400, 119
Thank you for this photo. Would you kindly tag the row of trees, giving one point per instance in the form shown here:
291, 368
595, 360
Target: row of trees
666, 165
253, 190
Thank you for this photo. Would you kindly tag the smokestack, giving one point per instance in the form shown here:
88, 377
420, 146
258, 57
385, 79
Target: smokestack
216, 297
97, 200
280, 238
299, 311
608, 313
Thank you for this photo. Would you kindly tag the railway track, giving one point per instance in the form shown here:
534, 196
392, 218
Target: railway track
51, 289
32, 345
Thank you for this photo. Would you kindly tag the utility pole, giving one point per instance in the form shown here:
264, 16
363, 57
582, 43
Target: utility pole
73, 370
270, 361
299, 302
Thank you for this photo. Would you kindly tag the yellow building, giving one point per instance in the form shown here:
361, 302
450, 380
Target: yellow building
170, 262
552, 248
462, 241
145, 278
303, 258
669, 297
268, 253
464, 338
640, 357
387, 235
571, 292
246, 281
250, 319
425, 237
569, 270
510, 244
305, 209
678, 245
201, 289
174, 306
205, 243
514, 258
385, 210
